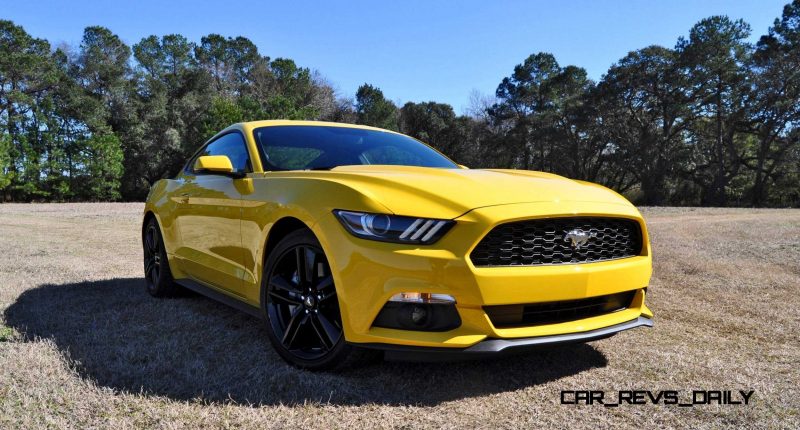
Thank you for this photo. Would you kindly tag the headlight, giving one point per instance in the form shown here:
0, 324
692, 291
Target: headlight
393, 228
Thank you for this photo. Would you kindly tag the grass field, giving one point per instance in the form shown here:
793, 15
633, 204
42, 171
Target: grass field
82, 345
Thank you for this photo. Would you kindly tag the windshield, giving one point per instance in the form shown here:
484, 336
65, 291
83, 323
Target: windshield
298, 147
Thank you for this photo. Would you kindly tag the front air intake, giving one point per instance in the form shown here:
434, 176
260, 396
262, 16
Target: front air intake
532, 314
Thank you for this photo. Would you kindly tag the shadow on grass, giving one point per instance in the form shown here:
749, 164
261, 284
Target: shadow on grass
193, 348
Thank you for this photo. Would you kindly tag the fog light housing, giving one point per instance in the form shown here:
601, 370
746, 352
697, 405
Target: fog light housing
419, 312
419, 315
422, 298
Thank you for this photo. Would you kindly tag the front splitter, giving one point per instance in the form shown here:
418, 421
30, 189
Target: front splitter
495, 347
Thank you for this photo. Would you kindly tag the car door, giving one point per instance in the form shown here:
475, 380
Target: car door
209, 217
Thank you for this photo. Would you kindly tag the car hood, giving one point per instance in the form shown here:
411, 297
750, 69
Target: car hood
449, 193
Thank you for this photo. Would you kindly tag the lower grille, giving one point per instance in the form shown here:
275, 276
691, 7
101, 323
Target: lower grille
503, 316
558, 241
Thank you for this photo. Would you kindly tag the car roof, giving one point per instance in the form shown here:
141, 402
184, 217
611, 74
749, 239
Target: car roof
250, 125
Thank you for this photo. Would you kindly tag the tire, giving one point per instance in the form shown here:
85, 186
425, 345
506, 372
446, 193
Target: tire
299, 301
157, 275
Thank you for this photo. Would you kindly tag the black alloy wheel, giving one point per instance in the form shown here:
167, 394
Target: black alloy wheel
157, 274
301, 305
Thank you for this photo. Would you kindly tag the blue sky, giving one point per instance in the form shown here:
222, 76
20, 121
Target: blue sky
413, 50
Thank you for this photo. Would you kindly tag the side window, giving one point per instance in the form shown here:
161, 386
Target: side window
232, 145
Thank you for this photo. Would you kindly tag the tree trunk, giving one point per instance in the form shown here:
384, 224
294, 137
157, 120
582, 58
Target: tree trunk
654, 189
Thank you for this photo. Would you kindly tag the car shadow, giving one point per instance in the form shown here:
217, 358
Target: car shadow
193, 348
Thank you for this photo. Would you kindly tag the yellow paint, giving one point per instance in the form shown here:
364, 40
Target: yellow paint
214, 163
215, 229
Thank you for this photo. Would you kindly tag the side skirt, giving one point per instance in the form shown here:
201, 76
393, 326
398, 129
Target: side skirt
220, 297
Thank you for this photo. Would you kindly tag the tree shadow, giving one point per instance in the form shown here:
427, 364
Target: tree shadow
193, 348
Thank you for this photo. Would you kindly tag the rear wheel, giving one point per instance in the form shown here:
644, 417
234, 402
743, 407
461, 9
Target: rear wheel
157, 275
301, 306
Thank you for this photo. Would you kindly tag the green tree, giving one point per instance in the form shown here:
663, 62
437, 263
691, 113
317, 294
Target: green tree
229, 62
28, 79
372, 108
102, 69
101, 158
523, 100
775, 110
437, 125
715, 61
644, 110
6, 175
546, 122
571, 125
104, 72
173, 100
223, 112
291, 92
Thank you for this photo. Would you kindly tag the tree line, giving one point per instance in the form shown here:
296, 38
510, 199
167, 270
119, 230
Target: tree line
711, 121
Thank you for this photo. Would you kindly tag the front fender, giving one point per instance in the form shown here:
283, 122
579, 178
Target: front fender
307, 200
161, 205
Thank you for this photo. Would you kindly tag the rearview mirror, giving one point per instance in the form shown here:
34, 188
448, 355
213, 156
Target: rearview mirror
216, 164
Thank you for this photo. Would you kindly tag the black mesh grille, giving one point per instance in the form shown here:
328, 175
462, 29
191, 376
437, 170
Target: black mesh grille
544, 241
556, 312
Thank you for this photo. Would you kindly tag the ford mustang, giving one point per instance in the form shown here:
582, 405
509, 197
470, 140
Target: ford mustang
348, 238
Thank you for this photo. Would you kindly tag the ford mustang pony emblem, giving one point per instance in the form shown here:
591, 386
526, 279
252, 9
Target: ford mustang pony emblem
577, 238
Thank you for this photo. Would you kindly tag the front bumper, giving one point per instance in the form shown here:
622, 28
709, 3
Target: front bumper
493, 347
368, 273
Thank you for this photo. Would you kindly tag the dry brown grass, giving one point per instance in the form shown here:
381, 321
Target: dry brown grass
82, 344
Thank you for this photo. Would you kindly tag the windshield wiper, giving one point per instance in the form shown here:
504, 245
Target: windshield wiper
321, 168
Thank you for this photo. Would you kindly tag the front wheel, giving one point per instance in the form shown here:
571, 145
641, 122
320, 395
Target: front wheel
301, 306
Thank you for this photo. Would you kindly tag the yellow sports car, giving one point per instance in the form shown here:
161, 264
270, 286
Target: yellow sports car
346, 238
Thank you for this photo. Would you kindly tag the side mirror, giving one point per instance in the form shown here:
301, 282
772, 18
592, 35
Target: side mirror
463, 166
220, 164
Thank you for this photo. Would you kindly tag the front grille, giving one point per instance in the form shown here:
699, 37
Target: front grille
504, 316
544, 241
